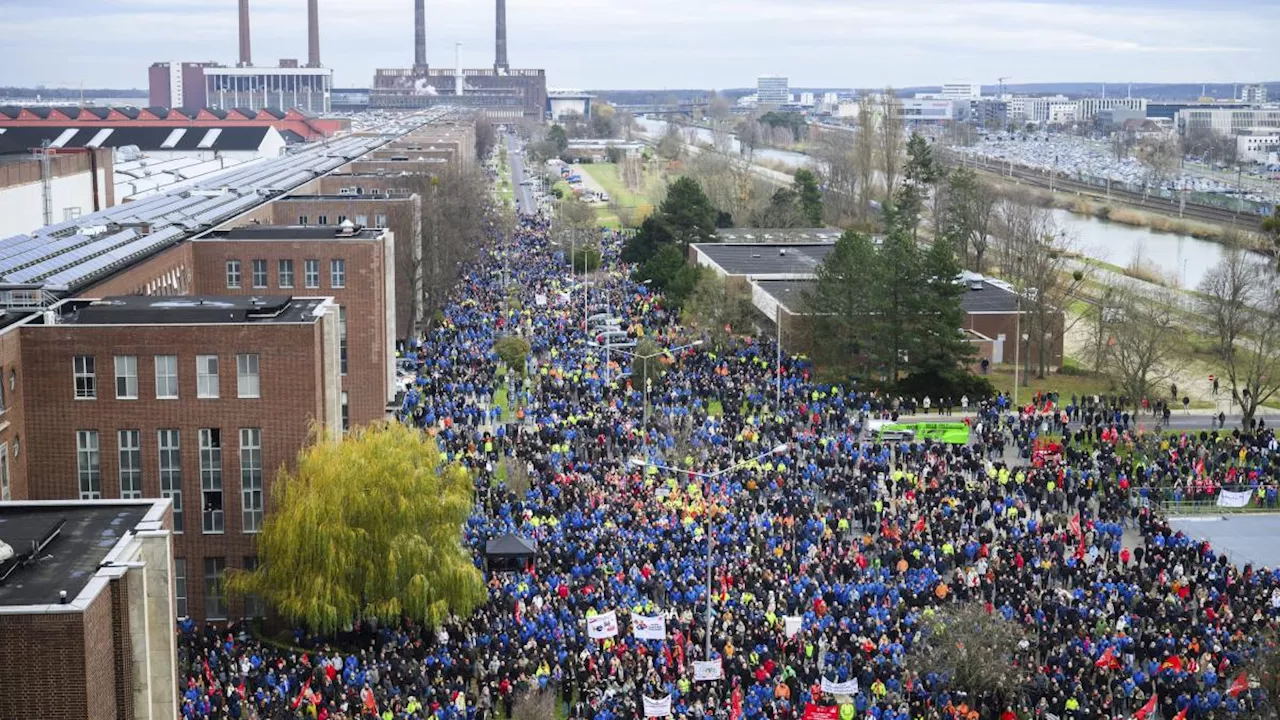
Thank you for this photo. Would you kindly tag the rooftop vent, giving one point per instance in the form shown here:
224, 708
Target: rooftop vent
782, 251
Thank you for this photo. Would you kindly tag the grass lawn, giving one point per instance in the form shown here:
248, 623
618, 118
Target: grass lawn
1001, 378
606, 174
716, 408
500, 399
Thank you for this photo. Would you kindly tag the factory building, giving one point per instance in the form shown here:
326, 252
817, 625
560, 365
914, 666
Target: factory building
502, 93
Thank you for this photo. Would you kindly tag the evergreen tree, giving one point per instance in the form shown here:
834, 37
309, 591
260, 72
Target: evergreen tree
689, 215
943, 348
558, 138
806, 186
650, 238
898, 300
842, 300
920, 168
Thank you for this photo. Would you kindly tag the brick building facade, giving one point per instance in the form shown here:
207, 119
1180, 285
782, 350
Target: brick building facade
200, 401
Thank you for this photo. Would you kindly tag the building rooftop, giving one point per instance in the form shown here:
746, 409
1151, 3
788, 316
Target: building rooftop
194, 310
755, 259
227, 138
297, 232
776, 235
72, 538
982, 297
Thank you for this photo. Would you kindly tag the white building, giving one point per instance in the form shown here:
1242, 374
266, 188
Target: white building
68, 186
1227, 121
773, 90
1062, 113
961, 91
806, 99
256, 88
1256, 94
1258, 146
1087, 108
917, 110
830, 98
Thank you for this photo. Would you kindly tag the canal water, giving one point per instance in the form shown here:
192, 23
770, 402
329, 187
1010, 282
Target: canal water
1181, 260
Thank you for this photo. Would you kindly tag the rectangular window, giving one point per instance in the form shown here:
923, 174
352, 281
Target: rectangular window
88, 464
322, 220
2, 405
211, 479
86, 379
170, 446
214, 608
126, 377
233, 273
247, 375
380, 220
130, 464
166, 377
253, 605
285, 269
251, 477
259, 273
346, 413
342, 219
342, 339
337, 273
4, 473
303, 220
311, 273
207, 376
362, 220
180, 586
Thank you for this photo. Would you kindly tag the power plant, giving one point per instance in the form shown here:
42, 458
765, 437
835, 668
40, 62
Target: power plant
502, 93
246, 86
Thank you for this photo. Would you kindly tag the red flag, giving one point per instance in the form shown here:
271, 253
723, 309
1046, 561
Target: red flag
1074, 525
918, 528
1182, 714
1147, 709
735, 710
1239, 685
821, 712
303, 694
1172, 662
1105, 661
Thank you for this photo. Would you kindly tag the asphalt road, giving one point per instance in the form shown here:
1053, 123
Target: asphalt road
523, 193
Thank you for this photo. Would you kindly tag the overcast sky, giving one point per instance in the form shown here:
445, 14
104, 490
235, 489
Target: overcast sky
669, 43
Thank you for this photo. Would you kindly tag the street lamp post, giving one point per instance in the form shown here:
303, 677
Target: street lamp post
645, 359
706, 479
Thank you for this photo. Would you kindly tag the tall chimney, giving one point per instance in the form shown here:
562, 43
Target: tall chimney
246, 58
420, 35
313, 33
500, 65
458, 83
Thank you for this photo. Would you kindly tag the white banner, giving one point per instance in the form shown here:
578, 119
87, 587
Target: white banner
541, 300
649, 628
1234, 499
792, 624
707, 670
604, 625
657, 708
848, 687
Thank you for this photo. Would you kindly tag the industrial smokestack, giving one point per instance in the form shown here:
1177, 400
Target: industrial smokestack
246, 58
458, 84
500, 59
420, 35
313, 33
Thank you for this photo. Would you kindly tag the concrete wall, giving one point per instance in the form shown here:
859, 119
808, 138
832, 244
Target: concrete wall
72, 186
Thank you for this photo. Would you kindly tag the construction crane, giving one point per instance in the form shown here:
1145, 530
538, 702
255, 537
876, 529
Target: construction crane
1002, 84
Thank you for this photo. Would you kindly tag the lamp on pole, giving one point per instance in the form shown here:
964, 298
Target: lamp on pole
707, 478
645, 358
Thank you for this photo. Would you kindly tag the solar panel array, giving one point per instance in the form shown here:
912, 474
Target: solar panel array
72, 254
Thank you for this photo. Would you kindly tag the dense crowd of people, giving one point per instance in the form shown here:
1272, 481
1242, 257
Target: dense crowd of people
821, 552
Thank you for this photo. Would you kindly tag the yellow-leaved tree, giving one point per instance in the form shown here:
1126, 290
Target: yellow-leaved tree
369, 526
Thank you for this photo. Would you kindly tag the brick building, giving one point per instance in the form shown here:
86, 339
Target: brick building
199, 400
86, 611
354, 265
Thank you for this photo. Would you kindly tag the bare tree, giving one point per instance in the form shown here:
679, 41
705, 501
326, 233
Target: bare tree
834, 152
864, 153
1039, 257
1143, 338
720, 115
979, 653
972, 213
672, 144
1241, 298
718, 309
1160, 156
891, 140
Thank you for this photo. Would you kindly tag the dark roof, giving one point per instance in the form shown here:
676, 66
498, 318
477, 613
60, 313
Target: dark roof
760, 259
990, 299
292, 137
70, 560
40, 112
189, 310
510, 546
291, 232
789, 293
277, 114
99, 112
159, 111
220, 114
10, 111
130, 112
234, 138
